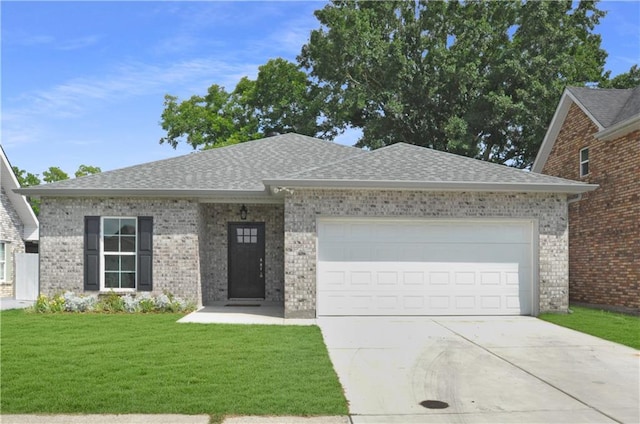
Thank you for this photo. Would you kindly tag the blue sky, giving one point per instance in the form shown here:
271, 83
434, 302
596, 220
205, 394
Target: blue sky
83, 82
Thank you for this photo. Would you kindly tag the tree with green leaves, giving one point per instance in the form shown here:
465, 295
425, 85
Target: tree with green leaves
84, 170
27, 179
280, 100
630, 79
54, 174
476, 78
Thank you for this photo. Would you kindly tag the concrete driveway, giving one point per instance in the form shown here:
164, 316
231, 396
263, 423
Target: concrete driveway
487, 370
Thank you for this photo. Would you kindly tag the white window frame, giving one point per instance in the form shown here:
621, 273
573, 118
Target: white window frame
584, 162
3, 261
103, 254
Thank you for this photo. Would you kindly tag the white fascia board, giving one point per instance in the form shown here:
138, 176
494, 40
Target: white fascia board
177, 193
620, 129
434, 186
556, 125
22, 207
256, 200
31, 233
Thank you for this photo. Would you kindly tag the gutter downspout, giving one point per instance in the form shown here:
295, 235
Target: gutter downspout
574, 199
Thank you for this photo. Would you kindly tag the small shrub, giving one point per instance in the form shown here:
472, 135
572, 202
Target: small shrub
112, 302
42, 304
146, 302
163, 303
56, 304
130, 304
79, 303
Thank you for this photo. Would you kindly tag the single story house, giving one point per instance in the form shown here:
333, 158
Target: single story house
322, 228
18, 226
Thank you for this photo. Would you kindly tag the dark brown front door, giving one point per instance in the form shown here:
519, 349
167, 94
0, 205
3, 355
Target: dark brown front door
246, 260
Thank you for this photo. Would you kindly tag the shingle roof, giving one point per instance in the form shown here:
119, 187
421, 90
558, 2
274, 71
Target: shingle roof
614, 111
240, 167
251, 168
405, 165
608, 106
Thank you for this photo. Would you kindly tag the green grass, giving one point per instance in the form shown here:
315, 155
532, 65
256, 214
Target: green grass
619, 328
98, 363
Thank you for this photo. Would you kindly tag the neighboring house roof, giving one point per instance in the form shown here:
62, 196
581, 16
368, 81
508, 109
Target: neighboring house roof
10, 183
405, 166
256, 168
614, 111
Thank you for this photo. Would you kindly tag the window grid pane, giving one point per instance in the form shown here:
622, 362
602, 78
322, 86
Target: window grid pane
247, 235
119, 252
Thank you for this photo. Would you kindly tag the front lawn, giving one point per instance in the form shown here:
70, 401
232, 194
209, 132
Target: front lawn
619, 328
100, 363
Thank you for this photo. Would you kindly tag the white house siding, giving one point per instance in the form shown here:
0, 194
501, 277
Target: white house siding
10, 231
304, 206
176, 259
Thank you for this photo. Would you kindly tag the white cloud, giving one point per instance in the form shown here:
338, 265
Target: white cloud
34, 40
72, 98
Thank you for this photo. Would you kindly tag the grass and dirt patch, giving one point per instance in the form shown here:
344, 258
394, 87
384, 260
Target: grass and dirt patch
612, 326
121, 364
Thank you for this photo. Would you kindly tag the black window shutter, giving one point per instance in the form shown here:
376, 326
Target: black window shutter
145, 253
92, 253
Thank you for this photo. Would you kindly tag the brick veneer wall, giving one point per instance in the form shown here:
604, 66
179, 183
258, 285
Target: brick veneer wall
604, 227
216, 218
304, 206
176, 266
10, 231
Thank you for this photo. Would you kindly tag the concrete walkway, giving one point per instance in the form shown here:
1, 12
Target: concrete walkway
11, 303
480, 370
265, 313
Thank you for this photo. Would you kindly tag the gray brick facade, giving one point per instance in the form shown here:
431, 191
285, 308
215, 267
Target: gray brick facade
176, 260
11, 233
216, 218
190, 238
304, 206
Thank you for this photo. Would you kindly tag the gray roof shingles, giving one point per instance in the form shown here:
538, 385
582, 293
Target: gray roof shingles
609, 106
238, 167
291, 158
409, 163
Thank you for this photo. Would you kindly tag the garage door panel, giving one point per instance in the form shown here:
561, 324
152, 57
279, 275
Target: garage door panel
435, 232
418, 252
438, 275
417, 304
379, 267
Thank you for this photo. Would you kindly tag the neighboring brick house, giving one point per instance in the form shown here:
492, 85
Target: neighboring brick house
18, 226
317, 227
594, 138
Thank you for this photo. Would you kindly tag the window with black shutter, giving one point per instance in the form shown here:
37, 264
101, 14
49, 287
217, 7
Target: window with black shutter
118, 253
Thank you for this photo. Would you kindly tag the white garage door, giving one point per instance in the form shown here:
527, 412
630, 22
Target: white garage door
409, 267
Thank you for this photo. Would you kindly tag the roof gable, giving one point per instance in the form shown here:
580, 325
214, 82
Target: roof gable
9, 183
608, 107
614, 111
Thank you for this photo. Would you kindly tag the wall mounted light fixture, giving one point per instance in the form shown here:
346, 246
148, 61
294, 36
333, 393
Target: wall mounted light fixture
243, 212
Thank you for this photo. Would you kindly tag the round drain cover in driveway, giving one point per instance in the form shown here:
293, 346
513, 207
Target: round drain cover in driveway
434, 404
